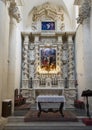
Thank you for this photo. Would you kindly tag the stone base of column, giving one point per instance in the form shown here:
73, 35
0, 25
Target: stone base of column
3, 122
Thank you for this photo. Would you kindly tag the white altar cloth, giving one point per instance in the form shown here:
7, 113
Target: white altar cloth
50, 98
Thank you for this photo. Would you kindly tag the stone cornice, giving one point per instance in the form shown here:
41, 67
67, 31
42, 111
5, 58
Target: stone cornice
14, 11
84, 11
39, 33
66, 33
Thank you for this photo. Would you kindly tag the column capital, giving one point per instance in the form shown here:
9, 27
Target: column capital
84, 11
14, 11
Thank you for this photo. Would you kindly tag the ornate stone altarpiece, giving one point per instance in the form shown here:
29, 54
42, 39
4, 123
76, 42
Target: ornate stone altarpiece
48, 56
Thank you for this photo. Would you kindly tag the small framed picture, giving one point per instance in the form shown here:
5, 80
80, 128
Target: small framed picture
48, 25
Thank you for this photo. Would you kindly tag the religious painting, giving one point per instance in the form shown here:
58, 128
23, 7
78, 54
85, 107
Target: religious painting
48, 25
48, 59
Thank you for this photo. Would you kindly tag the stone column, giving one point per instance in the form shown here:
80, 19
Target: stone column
25, 76
1, 51
65, 58
4, 29
90, 86
71, 76
59, 56
85, 18
36, 59
60, 60
36, 40
14, 18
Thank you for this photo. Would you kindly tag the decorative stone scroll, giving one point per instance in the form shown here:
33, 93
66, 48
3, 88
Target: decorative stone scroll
14, 11
47, 11
84, 11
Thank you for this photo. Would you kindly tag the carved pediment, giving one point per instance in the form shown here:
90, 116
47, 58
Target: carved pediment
47, 11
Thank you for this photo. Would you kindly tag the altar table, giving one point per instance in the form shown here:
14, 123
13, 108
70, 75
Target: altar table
50, 99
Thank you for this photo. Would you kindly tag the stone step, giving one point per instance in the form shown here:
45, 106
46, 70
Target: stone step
47, 126
35, 125
21, 118
17, 123
16, 119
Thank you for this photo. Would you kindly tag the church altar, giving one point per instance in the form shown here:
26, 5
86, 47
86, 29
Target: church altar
50, 99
